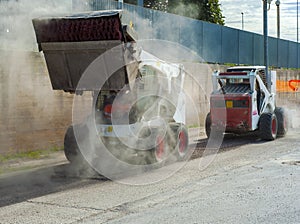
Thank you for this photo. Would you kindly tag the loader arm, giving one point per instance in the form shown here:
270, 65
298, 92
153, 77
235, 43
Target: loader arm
268, 103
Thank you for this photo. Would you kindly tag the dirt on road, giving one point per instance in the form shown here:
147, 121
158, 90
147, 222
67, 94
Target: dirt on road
249, 181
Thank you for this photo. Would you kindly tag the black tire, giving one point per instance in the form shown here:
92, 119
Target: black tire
208, 125
71, 148
171, 146
161, 150
282, 122
79, 166
182, 143
212, 132
268, 126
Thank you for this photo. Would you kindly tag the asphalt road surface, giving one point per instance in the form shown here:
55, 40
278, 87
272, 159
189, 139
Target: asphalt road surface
248, 182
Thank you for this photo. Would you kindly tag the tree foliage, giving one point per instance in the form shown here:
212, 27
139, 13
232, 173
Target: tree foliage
207, 10
161, 5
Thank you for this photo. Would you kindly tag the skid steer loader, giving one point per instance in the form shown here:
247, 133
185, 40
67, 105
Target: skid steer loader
137, 85
241, 103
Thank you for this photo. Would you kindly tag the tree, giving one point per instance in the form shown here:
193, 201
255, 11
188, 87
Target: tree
132, 2
207, 10
161, 5
215, 12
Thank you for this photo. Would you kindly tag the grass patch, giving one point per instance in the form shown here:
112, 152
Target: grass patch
194, 126
32, 154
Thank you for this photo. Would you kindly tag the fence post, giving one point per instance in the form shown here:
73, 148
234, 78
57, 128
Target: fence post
120, 4
141, 3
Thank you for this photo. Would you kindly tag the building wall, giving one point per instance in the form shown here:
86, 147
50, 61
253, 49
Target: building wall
33, 116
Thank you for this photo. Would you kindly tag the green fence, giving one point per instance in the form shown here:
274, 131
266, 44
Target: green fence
214, 43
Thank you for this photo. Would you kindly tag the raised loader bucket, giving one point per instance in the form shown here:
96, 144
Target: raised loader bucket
71, 43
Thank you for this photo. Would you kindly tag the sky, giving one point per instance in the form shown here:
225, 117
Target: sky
253, 16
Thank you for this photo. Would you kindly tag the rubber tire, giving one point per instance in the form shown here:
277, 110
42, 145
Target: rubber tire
208, 125
282, 122
214, 133
160, 148
182, 153
71, 148
170, 143
266, 126
161, 151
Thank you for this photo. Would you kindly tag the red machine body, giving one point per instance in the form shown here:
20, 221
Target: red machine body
232, 113
241, 102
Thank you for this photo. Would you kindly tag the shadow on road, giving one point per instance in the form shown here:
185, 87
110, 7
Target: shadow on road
229, 142
25, 185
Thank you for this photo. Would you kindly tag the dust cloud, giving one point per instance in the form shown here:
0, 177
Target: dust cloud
32, 115
16, 31
288, 99
29, 109
116, 157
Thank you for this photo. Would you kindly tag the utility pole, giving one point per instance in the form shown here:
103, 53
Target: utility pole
266, 44
278, 18
297, 34
297, 21
242, 20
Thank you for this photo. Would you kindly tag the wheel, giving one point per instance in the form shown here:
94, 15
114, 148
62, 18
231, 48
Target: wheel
161, 148
182, 149
166, 141
282, 122
268, 126
208, 125
172, 145
212, 132
71, 148
79, 166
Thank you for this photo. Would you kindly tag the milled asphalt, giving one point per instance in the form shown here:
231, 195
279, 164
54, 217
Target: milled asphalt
254, 183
